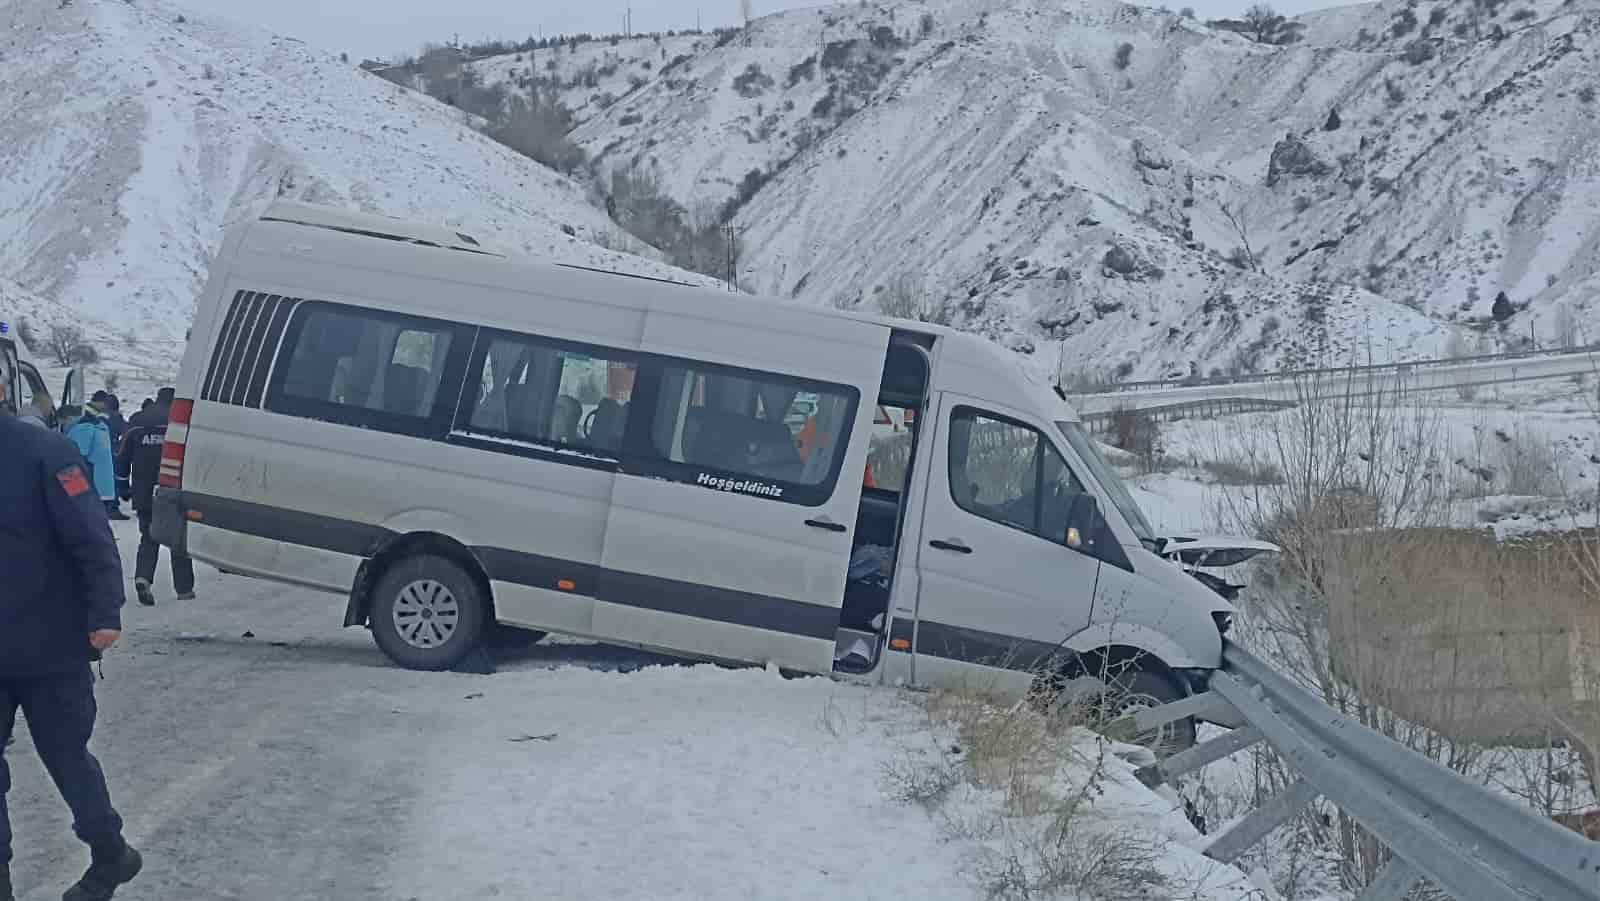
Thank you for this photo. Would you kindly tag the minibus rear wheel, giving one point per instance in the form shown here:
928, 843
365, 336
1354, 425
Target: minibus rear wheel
428, 613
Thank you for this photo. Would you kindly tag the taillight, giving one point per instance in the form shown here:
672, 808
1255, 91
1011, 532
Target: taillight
177, 439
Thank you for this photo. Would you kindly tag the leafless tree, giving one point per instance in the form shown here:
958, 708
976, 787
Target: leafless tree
1263, 21
1238, 219
66, 345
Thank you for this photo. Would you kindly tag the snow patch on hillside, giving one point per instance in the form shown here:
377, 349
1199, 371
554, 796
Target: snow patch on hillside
1391, 173
136, 132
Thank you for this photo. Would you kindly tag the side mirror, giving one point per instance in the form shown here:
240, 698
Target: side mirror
1084, 522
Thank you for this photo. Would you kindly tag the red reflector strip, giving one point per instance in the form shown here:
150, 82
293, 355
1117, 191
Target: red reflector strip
171, 474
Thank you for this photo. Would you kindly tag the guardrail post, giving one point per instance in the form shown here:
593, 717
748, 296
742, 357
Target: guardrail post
1198, 756
1393, 883
1255, 827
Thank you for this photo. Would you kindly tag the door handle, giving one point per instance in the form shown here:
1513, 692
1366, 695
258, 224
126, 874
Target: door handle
953, 544
827, 525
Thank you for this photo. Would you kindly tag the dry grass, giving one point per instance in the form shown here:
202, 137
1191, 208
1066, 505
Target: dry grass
1501, 461
1236, 472
1018, 782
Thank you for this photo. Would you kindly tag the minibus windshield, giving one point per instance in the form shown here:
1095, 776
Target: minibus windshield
1107, 477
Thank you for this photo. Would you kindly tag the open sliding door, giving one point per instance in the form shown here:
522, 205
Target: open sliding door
732, 518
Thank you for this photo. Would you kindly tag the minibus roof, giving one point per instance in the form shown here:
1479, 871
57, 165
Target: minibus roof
969, 364
374, 226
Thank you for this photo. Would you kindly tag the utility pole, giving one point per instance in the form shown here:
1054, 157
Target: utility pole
731, 232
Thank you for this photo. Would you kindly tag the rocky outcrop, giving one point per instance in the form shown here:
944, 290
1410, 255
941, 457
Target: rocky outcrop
1294, 157
1148, 157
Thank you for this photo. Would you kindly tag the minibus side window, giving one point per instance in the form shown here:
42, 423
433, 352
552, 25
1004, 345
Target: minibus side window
751, 432
537, 392
359, 367
1008, 472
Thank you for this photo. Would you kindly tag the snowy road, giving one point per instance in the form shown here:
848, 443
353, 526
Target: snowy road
299, 764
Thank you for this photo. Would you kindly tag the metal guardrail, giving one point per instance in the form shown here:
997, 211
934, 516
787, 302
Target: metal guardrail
1292, 374
1441, 827
1354, 382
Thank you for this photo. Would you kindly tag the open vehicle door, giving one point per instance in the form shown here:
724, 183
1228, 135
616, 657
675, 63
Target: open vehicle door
69, 406
749, 561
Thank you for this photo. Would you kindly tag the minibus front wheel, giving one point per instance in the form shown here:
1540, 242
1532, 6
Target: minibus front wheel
1132, 689
428, 613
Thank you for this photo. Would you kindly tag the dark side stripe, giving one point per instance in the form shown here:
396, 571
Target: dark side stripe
740, 608
984, 648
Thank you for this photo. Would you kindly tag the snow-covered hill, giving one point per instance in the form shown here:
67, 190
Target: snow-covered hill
132, 133
1019, 171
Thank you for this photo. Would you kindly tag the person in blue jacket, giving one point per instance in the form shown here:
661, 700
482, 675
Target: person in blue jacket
61, 607
92, 436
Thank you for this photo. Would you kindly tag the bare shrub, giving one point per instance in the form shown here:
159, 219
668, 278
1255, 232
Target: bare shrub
1398, 620
904, 297
1123, 56
1362, 485
925, 779
1502, 461
697, 242
1530, 466
537, 126
752, 82
1138, 433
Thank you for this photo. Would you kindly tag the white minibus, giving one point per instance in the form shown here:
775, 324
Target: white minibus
472, 447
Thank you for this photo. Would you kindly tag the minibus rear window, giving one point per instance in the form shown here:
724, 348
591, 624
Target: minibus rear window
348, 365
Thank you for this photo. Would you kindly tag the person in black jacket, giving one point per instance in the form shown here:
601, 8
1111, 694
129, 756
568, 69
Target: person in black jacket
141, 458
60, 608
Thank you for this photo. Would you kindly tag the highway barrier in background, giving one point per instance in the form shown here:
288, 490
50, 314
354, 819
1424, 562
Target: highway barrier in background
1288, 388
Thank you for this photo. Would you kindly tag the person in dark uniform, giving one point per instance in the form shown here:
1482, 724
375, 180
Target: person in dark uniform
141, 458
60, 609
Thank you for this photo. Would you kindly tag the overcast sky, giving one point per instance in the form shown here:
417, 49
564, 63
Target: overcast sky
365, 28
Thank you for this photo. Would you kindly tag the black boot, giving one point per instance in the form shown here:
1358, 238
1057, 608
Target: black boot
5, 883
109, 868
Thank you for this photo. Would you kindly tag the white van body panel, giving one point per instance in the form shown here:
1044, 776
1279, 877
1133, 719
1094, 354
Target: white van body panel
1150, 607
1006, 584
658, 561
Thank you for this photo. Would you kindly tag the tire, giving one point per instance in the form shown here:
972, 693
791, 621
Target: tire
428, 613
513, 638
1132, 689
